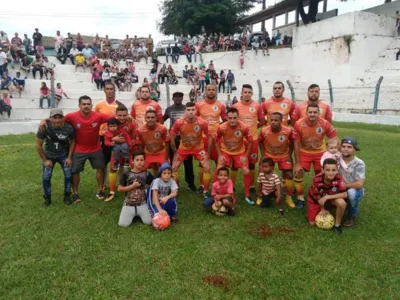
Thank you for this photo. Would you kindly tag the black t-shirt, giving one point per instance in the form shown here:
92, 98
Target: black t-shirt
69, 41
56, 140
174, 112
37, 37
137, 196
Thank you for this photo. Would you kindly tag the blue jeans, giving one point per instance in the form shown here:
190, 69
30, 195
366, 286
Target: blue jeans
48, 173
202, 85
170, 207
189, 56
230, 84
195, 56
354, 196
121, 148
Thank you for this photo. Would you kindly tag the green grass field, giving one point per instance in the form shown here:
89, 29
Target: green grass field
79, 252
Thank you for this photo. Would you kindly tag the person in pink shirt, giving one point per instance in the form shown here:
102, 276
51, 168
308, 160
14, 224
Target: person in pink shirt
5, 104
202, 79
241, 59
59, 93
39, 49
96, 77
44, 94
222, 190
332, 147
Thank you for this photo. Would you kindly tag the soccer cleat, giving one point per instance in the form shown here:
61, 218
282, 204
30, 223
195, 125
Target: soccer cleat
192, 188
67, 198
249, 200
100, 195
200, 190
300, 204
110, 197
47, 201
116, 167
76, 198
289, 202
338, 230
258, 201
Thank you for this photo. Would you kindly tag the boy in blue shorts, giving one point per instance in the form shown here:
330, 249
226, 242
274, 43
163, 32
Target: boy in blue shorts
19, 83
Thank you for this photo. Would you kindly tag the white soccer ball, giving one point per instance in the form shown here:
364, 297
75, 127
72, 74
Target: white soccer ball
325, 221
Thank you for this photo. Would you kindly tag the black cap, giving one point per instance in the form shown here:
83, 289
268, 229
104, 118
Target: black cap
177, 94
350, 140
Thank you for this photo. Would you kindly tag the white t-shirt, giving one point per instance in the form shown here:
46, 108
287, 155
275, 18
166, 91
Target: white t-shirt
3, 58
73, 51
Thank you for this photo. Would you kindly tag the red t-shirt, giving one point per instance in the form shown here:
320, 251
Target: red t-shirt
86, 130
218, 189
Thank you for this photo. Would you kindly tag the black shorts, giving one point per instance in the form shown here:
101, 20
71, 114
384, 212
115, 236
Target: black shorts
106, 151
268, 199
96, 160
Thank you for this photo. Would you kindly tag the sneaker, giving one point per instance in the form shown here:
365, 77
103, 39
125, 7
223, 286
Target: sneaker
300, 204
338, 230
349, 222
47, 201
67, 198
258, 201
100, 195
289, 202
200, 190
192, 188
110, 197
76, 198
249, 200
206, 195
253, 190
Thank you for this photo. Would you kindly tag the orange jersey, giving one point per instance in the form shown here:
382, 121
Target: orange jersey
250, 114
276, 144
211, 113
131, 128
311, 136
284, 106
153, 140
300, 111
106, 108
139, 108
191, 133
232, 139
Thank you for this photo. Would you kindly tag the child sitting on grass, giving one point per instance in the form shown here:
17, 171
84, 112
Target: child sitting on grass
269, 186
163, 192
222, 190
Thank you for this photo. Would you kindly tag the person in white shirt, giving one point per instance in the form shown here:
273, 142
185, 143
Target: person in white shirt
72, 53
3, 61
106, 76
142, 52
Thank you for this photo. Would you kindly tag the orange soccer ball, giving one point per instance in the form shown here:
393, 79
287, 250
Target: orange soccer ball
161, 222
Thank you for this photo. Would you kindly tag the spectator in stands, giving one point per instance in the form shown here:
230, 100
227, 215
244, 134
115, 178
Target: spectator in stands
87, 52
398, 22
278, 38
48, 67
73, 53
59, 39
79, 42
62, 54
175, 53
27, 43
172, 79
222, 79
150, 45
6, 82
97, 78
241, 59
3, 61
68, 42
398, 54
168, 52
153, 74
142, 52
5, 104
37, 38
26, 65
128, 80
96, 43
106, 76
80, 62
59, 93
255, 45
44, 94
19, 83
202, 79
162, 74
188, 52
230, 77
228, 102
15, 50
197, 51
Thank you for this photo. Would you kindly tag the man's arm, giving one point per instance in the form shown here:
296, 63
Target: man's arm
358, 184
210, 144
172, 143
167, 150
325, 198
70, 152
298, 170
39, 149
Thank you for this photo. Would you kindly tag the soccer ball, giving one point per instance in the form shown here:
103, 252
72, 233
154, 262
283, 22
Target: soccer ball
324, 221
219, 209
161, 222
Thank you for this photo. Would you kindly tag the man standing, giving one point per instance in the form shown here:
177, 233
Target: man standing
212, 111
139, 107
150, 44
37, 38
68, 42
300, 110
276, 142
278, 103
174, 112
252, 114
58, 139
354, 178
59, 39
309, 146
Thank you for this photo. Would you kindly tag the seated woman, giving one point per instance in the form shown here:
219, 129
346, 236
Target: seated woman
5, 104
48, 67
44, 94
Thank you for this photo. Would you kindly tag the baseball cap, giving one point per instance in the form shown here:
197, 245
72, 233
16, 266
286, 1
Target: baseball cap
56, 111
350, 140
177, 94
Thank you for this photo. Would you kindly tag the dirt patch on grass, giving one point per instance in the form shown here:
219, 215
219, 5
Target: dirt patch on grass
265, 231
284, 230
219, 281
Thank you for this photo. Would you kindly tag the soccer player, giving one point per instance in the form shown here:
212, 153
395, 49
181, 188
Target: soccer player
154, 140
278, 103
328, 189
300, 110
309, 146
276, 142
232, 152
251, 114
191, 130
174, 112
58, 139
212, 111
139, 107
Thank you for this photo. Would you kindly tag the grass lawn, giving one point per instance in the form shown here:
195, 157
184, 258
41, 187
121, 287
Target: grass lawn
79, 252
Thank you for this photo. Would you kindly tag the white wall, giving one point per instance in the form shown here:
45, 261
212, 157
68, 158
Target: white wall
388, 9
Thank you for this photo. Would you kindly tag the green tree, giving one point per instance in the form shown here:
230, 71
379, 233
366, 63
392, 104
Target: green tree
187, 16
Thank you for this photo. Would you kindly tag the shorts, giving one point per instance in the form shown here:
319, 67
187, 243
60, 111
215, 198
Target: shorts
96, 160
283, 163
151, 159
199, 154
58, 97
106, 151
268, 199
253, 158
235, 160
214, 153
313, 208
306, 159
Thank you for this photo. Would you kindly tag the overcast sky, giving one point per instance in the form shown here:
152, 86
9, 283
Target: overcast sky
115, 18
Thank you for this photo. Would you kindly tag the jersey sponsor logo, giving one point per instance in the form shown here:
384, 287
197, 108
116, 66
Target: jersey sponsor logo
202, 153
284, 105
157, 135
281, 138
254, 155
94, 124
334, 189
196, 128
238, 133
60, 136
215, 108
319, 130
252, 109
78, 125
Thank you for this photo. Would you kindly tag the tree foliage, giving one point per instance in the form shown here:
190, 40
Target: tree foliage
187, 16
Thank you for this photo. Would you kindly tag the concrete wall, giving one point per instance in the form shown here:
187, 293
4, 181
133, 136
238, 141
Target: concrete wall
388, 9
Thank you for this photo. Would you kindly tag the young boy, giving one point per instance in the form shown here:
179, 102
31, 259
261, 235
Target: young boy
112, 131
134, 184
222, 190
19, 83
328, 189
164, 190
269, 185
5, 104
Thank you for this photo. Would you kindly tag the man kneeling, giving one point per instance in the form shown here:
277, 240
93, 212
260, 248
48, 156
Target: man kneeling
327, 190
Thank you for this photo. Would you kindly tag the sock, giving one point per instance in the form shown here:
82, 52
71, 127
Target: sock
289, 187
299, 186
247, 183
206, 180
337, 225
201, 174
175, 175
112, 179
253, 175
234, 176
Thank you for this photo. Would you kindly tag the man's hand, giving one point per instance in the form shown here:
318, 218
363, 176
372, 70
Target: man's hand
322, 201
48, 163
135, 184
42, 125
323, 211
68, 163
164, 200
298, 170
221, 160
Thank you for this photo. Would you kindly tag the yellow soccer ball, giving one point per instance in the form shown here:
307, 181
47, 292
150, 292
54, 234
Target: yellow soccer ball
325, 221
